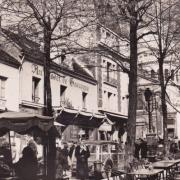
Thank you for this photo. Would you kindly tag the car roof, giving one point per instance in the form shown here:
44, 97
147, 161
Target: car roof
100, 142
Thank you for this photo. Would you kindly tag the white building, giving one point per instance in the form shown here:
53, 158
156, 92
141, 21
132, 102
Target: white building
149, 78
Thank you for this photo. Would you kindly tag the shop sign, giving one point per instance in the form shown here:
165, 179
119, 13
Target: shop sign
37, 70
78, 85
70, 81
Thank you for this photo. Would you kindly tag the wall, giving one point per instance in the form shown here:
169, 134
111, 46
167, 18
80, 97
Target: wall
11, 87
28, 71
74, 90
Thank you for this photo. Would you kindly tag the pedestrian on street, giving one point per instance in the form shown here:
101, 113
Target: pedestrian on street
65, 153
82, 154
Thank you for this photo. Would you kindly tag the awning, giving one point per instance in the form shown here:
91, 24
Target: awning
74, 117
22, 122
115, 117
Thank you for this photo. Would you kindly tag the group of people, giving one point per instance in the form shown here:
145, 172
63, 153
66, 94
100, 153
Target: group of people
65, 157
26, 168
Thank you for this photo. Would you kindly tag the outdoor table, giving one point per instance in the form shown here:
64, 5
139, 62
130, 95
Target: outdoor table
153, 174
175, 161
167, 166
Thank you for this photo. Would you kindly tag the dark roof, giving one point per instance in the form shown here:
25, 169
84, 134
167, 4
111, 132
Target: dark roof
33, 54
8, 59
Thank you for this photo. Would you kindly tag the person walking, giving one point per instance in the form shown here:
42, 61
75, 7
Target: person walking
82, 154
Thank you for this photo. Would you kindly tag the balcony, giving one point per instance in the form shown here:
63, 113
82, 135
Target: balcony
2, 104
111, 81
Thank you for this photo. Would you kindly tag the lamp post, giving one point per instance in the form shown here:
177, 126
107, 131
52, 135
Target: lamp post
148, 97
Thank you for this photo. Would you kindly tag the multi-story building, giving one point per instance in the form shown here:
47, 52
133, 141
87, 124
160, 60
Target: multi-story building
9, 82
149, 78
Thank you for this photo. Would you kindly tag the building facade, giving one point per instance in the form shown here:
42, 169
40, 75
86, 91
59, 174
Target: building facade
149, 78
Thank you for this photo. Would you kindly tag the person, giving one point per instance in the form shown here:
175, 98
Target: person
33, 146
173, 148
144, 148
82, 154
72, 154
137, 149
65, 153
27, 166
61, 162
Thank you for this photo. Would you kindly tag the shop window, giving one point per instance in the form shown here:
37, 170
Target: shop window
74, 132
85, 136
35, 89
62, 95
170, 132
84, 97
2, 87
102, 135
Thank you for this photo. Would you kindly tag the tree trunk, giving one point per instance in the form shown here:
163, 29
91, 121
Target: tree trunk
48, 105
163, 104
132, 85
131, 124
47, 66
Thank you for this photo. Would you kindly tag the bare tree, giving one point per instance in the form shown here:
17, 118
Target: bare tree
131, 18
164, 47
53, 25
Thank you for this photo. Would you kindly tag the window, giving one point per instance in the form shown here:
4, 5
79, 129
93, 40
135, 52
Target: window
166, 73
153, 75
158, 74
109, 100
2, 87
84, 97
35, 89
172, 74
177, 76
108, 70
62, 95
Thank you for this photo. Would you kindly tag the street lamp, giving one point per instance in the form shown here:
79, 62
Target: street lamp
148, 97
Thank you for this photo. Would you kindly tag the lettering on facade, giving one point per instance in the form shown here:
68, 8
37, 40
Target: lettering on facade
78, 85
69, 81
58, 78
37, 70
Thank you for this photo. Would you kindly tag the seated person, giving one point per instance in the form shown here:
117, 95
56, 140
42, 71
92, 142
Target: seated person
27, 166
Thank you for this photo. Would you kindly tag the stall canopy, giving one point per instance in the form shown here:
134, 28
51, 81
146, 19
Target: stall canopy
74, 117
22, 122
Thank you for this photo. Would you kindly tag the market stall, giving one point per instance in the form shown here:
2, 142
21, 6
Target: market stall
26, 123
